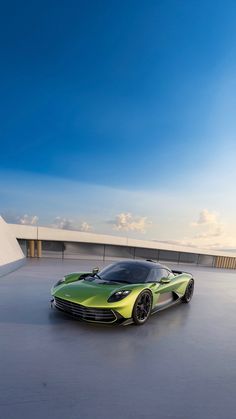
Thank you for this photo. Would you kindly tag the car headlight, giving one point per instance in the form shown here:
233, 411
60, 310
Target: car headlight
61, 281
118, 295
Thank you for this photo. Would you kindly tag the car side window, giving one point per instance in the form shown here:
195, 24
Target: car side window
157, 274
170, 274
165, 273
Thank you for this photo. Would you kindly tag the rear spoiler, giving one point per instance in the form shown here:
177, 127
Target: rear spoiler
180, 272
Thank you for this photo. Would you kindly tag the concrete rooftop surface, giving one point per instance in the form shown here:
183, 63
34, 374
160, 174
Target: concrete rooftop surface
180, 365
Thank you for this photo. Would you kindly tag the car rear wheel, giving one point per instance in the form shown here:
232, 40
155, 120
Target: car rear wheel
188, 292
142, 308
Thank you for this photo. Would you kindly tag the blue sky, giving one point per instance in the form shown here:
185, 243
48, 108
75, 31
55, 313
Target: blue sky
120, 116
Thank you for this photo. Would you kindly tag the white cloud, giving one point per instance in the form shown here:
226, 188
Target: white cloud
28, 219
225, 243
206, 217
85, 227
69, 224
125, 221
217, 231
63, 223
185, 242
209, 225
25, 219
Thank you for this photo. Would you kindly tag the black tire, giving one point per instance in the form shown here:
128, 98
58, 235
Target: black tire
142, 307
188, 292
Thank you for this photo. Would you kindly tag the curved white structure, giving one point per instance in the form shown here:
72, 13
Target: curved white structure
81, 245
27, 232
11, 255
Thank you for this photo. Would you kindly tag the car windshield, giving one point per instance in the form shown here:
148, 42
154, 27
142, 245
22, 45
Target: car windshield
130, 273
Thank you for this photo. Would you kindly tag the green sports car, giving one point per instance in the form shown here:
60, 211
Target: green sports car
124, 292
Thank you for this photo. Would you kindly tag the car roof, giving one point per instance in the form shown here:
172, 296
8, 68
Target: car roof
140, 262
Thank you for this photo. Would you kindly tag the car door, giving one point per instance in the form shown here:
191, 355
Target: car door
164, 294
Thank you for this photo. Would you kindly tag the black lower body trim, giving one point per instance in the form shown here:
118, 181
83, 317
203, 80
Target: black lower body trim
88, 314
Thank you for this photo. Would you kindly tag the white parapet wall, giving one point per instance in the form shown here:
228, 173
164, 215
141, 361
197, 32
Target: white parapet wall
77, 244
27, 232
11, 255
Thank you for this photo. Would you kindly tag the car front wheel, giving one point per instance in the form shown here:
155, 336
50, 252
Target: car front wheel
188, 292
142, 308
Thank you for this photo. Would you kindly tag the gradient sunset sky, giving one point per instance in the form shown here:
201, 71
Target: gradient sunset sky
119, 117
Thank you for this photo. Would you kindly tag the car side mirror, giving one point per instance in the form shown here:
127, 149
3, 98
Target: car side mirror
95, 270
165, 280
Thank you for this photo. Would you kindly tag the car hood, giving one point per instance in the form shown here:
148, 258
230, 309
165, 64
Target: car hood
90, 293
